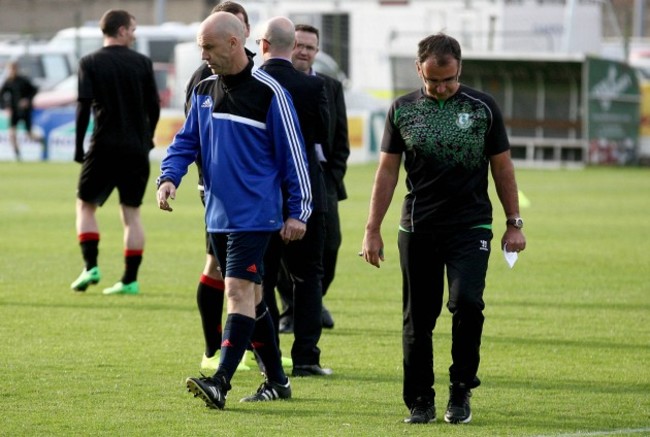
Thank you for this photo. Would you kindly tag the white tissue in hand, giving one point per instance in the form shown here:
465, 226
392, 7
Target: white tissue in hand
511, 257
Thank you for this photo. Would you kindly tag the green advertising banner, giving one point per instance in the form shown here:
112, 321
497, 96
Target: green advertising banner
613, 118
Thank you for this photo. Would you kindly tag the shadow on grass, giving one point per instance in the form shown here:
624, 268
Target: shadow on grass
125, 302
583, 305
559, 342
568, 386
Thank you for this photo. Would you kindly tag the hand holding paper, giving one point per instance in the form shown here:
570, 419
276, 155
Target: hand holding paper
511, 257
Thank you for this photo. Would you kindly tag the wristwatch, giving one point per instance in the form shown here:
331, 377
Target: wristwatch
517, 222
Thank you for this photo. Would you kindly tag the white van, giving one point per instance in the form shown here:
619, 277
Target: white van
187, 58
156, 42
44, 65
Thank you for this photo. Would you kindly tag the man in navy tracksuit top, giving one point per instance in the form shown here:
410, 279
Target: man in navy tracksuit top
245, 127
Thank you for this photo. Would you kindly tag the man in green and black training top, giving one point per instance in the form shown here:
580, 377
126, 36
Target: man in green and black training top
450, 136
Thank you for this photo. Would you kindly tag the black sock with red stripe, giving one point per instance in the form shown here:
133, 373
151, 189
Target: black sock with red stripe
89, 242
265, 345
236, 337
132, 260
209, 298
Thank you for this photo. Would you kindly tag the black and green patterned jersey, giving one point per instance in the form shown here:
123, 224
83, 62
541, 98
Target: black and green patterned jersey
446, 147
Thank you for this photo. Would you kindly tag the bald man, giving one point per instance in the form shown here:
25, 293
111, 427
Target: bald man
210, 290
245, 127
303, 259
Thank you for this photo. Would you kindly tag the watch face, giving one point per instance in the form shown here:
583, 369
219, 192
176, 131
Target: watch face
516, 222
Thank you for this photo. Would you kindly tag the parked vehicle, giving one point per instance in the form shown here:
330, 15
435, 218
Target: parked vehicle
156, 42
43, 64
187, 58
65, 92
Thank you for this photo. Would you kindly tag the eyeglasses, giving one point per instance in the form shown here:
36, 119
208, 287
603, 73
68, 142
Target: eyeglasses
306, 47
444, 82
258, 41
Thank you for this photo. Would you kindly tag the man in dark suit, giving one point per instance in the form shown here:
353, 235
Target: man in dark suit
302, 258
334, 157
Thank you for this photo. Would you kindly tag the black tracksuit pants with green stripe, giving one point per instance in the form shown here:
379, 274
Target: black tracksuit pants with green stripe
425, 258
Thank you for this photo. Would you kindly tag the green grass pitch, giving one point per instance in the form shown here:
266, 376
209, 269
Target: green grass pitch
566, 345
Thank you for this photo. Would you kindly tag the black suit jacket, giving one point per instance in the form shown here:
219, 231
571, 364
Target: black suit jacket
310, 101
337, 148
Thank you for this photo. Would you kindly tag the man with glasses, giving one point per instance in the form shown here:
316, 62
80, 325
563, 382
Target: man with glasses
450, 135
303, 258
333, 157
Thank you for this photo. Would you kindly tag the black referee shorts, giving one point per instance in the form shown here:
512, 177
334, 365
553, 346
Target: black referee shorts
102, 172
241, 254
25, 115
